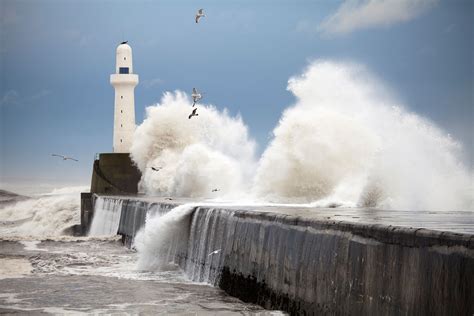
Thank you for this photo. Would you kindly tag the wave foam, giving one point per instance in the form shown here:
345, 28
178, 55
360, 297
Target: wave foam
347, 139
162, 237
196, 155
46, 215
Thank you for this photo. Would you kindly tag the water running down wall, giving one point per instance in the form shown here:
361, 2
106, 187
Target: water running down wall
301, 265
107, 217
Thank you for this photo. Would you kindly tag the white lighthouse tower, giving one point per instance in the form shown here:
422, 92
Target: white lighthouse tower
124, 82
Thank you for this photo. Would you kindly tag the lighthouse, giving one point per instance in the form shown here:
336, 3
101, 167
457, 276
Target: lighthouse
116, 173
124, 81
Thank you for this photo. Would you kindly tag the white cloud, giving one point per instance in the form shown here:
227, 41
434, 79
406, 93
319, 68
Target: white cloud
12, 97
40, 94
152, 83
354, 15
9, 97
78, 37
448, 29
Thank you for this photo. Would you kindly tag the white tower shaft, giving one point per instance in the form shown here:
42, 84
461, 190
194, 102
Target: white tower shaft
124, 82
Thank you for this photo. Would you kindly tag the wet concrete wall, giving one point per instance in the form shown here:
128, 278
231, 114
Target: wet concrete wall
307, 266
114, 173
86, 211
134, 214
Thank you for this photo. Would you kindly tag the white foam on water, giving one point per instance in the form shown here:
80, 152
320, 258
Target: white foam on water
25, 305
44, 215
32, 245
14, 268
94, 257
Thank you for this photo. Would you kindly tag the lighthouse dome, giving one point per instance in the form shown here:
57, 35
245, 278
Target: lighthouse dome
124, 63
124, 48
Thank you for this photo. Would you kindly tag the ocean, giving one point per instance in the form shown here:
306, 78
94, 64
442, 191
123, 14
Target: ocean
43, 271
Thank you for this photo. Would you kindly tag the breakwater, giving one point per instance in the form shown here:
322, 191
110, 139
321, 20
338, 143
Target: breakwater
306, 261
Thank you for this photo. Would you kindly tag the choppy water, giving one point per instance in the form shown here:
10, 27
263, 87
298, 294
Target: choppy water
92, 276
45, 272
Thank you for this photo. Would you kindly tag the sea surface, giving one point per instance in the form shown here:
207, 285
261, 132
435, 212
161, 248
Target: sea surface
67, 275
42, 271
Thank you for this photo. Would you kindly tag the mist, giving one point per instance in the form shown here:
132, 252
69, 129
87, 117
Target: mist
347, 141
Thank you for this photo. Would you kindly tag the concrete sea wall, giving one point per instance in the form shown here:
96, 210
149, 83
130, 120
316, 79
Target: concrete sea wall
114, 173
312, 266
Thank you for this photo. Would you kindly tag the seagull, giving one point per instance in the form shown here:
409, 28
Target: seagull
124, 42
196, 95
156, 169
64, 157
214, 252
193, 113
199, 15
215, 190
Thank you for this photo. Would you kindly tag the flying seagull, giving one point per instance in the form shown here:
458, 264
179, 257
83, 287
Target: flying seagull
193, 113
124, 42
64, 157
199, 15
215, 190
196, 95
214, 252
156, 169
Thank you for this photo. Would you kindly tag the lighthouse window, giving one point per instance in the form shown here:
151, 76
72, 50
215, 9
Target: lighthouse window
121, 111
125, 58
120, 140
123, 70
121, 97
121, 125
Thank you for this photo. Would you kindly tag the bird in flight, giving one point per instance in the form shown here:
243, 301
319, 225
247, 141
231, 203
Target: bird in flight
193, 113
64, 157
199, 15
214, 252
215, 190
156, 168
196, 95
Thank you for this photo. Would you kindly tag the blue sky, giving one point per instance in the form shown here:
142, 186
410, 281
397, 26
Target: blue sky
56, 58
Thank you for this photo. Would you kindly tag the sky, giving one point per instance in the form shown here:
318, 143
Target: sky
56, 58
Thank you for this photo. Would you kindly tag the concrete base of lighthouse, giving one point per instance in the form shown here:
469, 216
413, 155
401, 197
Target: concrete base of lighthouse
112, 173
